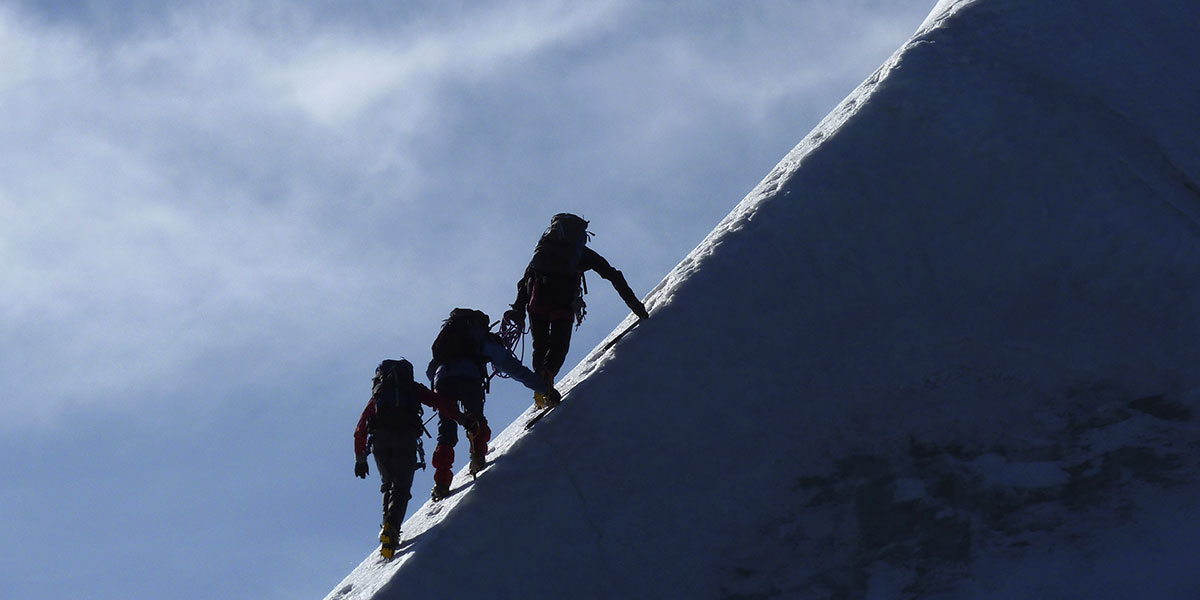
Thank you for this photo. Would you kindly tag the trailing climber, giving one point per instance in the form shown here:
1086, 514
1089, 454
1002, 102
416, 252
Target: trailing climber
552, 290
458, 370
390, 428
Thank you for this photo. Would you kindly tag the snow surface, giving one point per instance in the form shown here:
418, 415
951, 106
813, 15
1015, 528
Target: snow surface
948, 348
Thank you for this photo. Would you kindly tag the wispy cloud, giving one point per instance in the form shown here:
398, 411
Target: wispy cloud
337, 78
165, 193
224, 181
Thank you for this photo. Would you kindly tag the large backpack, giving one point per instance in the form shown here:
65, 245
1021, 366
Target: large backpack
461, 337
397, 404
556, 285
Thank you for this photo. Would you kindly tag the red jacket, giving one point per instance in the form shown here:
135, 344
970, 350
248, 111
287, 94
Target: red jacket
442, 404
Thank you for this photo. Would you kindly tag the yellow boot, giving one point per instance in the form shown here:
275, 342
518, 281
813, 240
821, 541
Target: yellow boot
389, 540
541, 400
478, 460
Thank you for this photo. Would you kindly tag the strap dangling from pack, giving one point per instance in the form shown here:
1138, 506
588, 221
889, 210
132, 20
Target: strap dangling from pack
581, 309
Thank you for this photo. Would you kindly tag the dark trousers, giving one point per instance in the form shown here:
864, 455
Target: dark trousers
469, 394
396, 460
551, 341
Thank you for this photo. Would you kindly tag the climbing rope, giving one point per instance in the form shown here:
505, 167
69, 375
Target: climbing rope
512, 335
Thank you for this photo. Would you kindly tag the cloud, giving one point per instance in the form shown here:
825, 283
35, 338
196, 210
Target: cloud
338, 78
164, 210
222, 190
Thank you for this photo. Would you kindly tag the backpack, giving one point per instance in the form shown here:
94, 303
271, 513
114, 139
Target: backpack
397, 405
461, 337
555, 281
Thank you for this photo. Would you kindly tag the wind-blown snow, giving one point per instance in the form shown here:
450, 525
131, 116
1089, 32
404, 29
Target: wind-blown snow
947, 348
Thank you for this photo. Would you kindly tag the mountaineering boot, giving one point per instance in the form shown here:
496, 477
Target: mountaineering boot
389, 540
478, 463
478, 458
541, 400
478, 437
440, 491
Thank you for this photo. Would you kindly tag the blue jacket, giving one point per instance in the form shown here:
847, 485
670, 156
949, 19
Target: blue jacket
495, 353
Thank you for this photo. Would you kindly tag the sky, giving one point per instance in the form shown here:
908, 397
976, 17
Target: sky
967, 364
216, 219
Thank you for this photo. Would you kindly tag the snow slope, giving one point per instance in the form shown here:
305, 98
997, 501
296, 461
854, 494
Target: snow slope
947, 348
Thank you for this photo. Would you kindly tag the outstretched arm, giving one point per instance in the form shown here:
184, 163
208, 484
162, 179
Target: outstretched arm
506, 362
592, 260
360, 432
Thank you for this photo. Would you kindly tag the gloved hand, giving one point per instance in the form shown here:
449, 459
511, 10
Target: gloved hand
361, 469
516, 317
